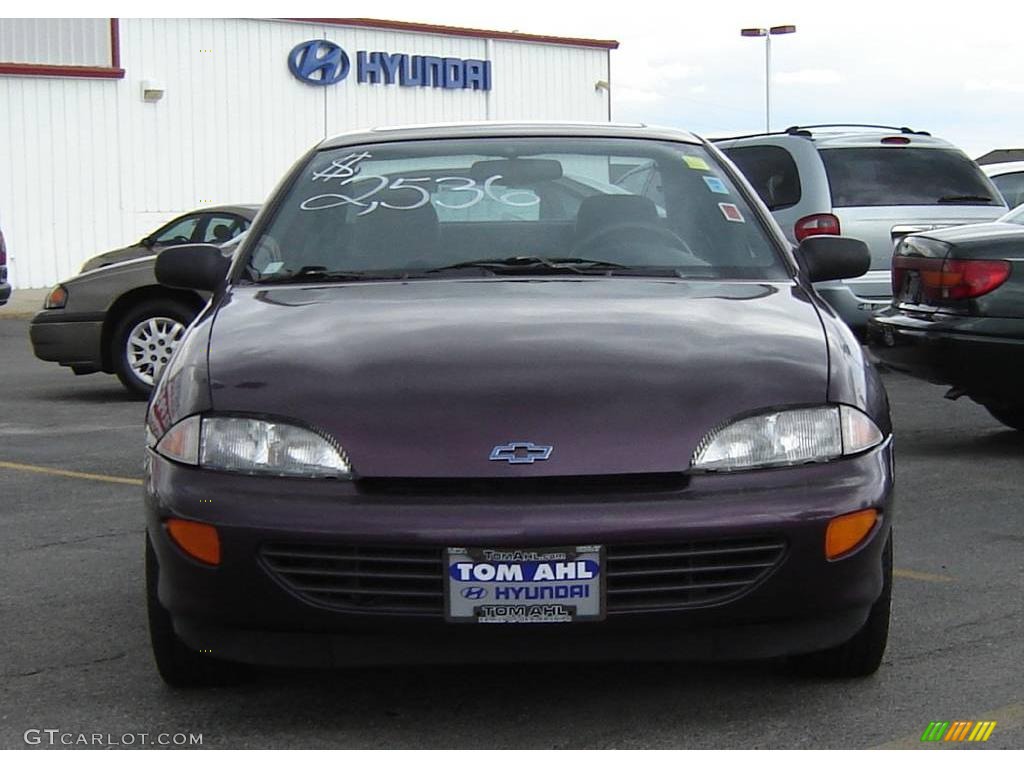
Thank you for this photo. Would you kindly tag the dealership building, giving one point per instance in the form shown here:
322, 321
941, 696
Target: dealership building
113, 126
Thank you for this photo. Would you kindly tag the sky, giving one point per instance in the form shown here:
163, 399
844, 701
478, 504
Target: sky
955, 73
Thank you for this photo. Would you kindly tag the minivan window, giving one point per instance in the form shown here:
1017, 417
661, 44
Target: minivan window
771, 171
900, 175
417, 209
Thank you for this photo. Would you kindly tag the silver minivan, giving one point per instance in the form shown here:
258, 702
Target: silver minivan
873, 183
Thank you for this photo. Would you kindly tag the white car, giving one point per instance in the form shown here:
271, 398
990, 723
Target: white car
1009, 180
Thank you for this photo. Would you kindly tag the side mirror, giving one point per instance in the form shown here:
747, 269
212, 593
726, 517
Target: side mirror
199, 267
827, 257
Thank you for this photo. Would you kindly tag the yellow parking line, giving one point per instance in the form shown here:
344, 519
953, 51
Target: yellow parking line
904, 573
69, 473
1007, 718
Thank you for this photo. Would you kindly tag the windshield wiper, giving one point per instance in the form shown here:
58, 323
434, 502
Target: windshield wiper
965, 199
535, 263
318, 274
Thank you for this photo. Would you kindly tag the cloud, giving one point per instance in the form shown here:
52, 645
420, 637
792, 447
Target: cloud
808, 77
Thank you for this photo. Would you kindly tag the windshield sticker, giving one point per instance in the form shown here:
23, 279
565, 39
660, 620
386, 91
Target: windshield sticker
716, 185
731, 212
272, 267
696, 163
418, 196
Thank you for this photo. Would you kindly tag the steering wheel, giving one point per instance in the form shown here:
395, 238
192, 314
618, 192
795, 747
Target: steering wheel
645, 231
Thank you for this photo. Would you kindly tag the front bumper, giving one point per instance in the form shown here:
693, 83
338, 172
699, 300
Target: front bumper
73, 340
240, 610
982, 356
5, 292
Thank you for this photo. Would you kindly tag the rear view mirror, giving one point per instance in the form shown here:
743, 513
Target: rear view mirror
519, 172
198, 267
827, 257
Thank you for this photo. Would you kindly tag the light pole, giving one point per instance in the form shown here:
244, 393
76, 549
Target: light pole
786, 29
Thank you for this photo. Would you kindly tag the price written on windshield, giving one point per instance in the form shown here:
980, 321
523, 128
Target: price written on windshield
364, 190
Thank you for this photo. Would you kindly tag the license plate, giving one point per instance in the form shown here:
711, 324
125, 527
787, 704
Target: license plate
506, 585
912, 288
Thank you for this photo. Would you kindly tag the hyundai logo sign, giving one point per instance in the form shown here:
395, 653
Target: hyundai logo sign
321, 62
521, 453
474, 593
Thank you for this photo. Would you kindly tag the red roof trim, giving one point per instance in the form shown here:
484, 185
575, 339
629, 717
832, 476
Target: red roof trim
61, 70
439, 29
113, 72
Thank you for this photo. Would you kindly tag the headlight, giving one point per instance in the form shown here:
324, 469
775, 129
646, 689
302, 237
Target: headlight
784, 438
56, 299
253, 447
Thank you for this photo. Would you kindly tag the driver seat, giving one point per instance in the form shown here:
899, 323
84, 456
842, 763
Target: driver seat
603, 213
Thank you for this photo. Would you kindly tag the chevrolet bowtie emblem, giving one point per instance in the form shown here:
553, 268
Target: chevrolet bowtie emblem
521, 452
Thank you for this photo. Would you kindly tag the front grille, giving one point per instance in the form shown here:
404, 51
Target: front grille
652, 577
399, 580
410, 580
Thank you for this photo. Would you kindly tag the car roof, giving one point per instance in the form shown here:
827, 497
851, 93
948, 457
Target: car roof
243, 209
492, 129
840, 136
998, 169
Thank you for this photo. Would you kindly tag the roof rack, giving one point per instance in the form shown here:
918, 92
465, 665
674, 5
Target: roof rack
902, 129
805, 130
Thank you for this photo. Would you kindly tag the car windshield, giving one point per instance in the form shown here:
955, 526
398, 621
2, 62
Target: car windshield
466, 207
899, 175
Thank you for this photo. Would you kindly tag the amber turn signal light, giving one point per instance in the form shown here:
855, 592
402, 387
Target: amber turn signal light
197, 539
845, 532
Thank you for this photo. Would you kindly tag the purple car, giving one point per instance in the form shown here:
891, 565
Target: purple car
459, 398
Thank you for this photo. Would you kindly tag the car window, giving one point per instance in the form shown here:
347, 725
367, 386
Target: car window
643, 180
449, 199
223, 227
772, 173
177, 232
899, 175
410, 207
1012, 187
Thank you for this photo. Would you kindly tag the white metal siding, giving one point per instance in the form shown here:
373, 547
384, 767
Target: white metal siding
88, 166
82, 42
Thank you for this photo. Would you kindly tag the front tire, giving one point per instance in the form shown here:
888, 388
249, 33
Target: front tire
861, 655
144, 340
1011, 416
179, 665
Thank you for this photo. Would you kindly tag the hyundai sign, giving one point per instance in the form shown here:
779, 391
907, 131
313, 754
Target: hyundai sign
321, 62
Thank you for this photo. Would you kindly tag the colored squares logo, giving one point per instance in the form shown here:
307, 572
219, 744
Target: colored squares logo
958, 730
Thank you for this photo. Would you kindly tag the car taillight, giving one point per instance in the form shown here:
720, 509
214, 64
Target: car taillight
816, 224
949, 279
3, 251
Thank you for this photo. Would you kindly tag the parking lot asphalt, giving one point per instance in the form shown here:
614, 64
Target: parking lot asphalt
75, 652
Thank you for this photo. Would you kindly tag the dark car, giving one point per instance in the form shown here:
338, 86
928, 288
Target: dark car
206, 225
5, 287
117, 319
625, 432
957, 316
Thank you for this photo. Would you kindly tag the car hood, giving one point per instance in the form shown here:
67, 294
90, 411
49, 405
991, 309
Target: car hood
116, 257
424, 378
